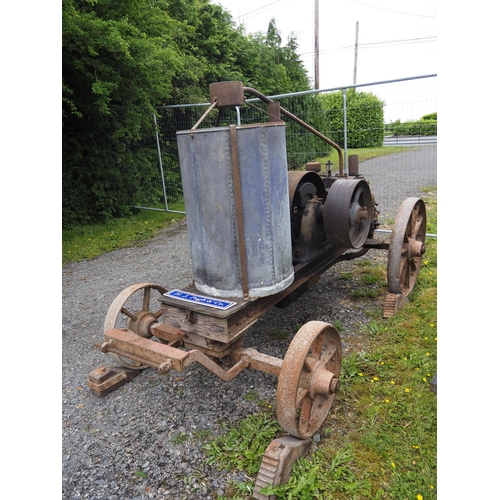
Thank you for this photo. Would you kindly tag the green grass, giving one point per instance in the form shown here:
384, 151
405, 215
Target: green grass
364, 154
87, 242
380, 439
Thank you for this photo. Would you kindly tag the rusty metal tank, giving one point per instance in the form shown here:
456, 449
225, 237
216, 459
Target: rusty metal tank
235, 182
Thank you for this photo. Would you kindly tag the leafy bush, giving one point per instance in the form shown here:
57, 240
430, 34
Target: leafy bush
430, 116
365, 118
413, 127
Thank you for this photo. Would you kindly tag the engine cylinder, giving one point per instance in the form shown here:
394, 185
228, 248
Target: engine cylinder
235, 186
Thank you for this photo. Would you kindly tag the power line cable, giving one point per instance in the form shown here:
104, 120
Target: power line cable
394, 11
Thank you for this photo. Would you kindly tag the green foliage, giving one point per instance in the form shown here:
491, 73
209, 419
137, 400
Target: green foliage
121, 60
427, 125
430, 116
365, 118
243, 446
413, 127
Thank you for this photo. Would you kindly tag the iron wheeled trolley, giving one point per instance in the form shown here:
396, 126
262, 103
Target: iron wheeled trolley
260, 236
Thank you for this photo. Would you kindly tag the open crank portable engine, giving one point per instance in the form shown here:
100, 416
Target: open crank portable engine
260, 236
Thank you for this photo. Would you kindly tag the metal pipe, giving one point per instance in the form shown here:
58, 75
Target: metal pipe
388, 231
292, 117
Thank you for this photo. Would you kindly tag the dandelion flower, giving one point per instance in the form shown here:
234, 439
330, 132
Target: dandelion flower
415, 446
375, 378
407, 389
420, 497
387, 400
393, 464
424, 379
392, 382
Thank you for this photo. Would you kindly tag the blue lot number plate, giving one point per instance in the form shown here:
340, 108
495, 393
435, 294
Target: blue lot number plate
201, 300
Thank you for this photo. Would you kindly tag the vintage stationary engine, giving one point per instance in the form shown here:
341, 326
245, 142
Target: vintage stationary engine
260, 236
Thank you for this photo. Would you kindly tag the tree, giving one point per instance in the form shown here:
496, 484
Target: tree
120, 60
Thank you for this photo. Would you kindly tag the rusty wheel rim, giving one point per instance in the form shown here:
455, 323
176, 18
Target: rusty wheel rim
137, 316
407, 246
312, 363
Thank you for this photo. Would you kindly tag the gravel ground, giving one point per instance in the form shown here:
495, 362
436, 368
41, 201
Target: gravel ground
106, 440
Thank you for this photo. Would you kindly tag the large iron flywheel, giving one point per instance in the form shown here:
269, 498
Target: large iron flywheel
348, 213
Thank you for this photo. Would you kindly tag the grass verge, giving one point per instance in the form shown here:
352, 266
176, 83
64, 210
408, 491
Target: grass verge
380, 439
366, 153
87, 242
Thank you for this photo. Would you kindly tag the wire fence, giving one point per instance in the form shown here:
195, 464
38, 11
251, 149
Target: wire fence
406, 101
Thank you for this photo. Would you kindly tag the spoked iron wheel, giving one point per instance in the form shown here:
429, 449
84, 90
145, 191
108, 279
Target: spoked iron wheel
132, 309
309, 379
406, 247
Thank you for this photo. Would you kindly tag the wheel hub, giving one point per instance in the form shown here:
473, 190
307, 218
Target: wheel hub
140, 325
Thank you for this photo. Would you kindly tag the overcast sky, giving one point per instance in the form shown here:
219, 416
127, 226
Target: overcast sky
396, 38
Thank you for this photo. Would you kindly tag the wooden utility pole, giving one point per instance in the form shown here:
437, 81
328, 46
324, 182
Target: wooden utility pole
356, 53
316, 45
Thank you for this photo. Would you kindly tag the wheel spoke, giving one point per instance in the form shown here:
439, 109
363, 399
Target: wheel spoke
146, 298
158, 314
128, 313
317, 346
329, 353
305, 413
418, 225
404, 251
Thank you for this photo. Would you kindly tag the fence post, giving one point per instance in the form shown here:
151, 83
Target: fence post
346, 168
161, 164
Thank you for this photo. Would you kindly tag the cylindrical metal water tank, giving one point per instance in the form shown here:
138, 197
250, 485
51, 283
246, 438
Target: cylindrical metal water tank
235, 182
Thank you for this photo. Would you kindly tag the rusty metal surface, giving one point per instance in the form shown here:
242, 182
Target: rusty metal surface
353, 164
105, 379
164, 357
139, 319
227, 94
314, 166
393, 303
238, 203
117, 307
276, 465
348, 213
309, 379
407, 246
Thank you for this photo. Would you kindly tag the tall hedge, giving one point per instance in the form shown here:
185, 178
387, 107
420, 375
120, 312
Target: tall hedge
120, 60
365, 118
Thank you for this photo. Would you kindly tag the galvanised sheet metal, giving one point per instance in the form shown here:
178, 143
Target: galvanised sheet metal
214, 209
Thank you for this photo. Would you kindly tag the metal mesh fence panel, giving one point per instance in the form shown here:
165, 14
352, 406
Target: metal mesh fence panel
408, 166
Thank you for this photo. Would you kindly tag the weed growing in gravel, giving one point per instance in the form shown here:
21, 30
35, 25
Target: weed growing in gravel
180, 438
242, 447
